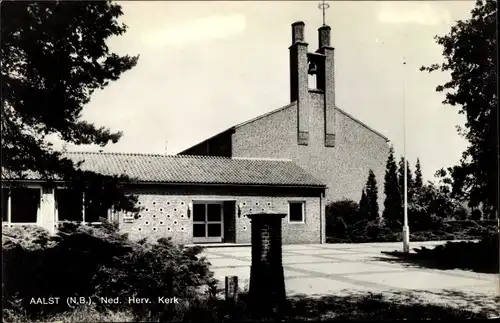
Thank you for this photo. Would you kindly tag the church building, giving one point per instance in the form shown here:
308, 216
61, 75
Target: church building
293, 160
311, 130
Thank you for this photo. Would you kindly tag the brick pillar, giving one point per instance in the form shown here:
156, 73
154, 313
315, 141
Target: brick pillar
267, 281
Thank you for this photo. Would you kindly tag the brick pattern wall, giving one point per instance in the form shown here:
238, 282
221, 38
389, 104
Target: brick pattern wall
165, 214
344, 167
161, 216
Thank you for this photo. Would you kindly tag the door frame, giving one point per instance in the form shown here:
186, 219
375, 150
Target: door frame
207, 239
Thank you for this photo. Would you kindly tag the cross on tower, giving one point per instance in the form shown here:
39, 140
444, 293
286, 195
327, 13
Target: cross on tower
323, 6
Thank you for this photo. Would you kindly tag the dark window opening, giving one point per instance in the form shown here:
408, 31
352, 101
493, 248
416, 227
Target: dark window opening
24, 204
199, 212
5, 204
69, 205
214, 212
95, 212
296, 212
199, 230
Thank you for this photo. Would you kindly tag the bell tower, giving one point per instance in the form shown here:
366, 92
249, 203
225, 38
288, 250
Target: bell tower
312, 74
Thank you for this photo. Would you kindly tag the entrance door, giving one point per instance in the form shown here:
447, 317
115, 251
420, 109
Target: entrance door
207, 222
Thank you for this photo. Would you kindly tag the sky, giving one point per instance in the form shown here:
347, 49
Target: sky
206, 66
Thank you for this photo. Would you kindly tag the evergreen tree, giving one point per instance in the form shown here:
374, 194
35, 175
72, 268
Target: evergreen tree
372, 196
409, 181
393, 208
364, 212
418, 176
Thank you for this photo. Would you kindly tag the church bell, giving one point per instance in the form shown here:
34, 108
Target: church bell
313, 68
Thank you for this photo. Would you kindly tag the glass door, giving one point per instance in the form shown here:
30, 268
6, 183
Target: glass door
207, 222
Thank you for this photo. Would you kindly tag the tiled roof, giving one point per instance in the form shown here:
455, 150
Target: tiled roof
194, 169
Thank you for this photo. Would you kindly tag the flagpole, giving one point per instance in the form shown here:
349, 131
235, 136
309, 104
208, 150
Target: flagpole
406, 228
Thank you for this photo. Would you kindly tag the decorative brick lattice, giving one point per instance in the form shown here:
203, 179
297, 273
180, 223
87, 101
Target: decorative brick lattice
161, 216
167, 216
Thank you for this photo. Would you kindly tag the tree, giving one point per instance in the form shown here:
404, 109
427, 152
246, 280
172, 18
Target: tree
372, 196
364, 211
54, 56
470, 54
393, 207
409, 179
418, 183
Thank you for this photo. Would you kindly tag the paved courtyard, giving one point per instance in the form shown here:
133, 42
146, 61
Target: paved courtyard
327, 269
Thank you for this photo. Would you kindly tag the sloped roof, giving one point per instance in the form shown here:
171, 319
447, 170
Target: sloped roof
178, 169
281, 109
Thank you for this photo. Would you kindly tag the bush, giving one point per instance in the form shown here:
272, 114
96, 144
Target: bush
28, 237
436, 229
346, 209
87, 313
99, 262
479, 256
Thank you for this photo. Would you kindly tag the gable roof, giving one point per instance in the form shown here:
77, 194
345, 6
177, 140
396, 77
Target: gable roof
281, 109
179, 169
294, 103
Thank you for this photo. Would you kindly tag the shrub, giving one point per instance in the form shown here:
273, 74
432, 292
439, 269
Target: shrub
479, 256
28, 237
346, 209
94, 262
86, 313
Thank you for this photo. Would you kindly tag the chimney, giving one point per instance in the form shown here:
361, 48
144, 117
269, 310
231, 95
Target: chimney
324, 36
299, 81
327, 82
297, 32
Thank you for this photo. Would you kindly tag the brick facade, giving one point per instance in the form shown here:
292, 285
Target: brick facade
344, 167
165, 212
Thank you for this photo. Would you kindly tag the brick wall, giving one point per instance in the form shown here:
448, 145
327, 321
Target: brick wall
344, 167
165, 212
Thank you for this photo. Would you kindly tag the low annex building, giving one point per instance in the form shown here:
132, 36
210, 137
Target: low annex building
193, 199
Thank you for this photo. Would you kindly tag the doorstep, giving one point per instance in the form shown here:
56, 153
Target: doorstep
219, 245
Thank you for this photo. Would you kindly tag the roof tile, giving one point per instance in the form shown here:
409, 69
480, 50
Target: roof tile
194, 169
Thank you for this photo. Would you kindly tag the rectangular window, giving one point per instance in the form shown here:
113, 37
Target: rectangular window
296, 212
24, 205
5, 204
207, 221
95, 212
69, 204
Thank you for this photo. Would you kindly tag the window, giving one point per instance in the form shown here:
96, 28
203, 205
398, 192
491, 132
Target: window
24, 205
296, 212
207, 221
5, 204
69, 206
